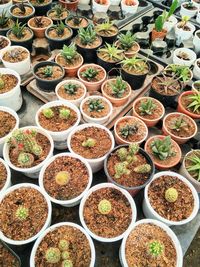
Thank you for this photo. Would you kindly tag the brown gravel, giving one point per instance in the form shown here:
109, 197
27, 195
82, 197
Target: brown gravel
17, 12
102, 146
108, 89
3, 175
7, 259
3, 42
116, 221
77, 182
63, 93
136, 249
18, 229
156, 112
69, 64
185, 101
20, 55
7, 123
44, 21
10, 81
158, 87
83, 23
96, 114
179, 210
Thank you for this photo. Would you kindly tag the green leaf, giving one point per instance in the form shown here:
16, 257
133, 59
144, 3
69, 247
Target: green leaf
173, 8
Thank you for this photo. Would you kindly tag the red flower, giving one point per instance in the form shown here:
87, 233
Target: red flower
20, 146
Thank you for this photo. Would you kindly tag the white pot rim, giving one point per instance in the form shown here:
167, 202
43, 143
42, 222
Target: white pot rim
13, 72
136, 1
35, 168
87, 66
48, 219
65, 103
8, 179
191, 54
87, 125
52, 228
70, 201
182, 6
128, 197
9, 48
194, 193
96, 97
168, 231
8, 40
189, 24
70, 68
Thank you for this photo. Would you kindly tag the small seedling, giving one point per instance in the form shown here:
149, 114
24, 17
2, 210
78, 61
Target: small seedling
69, 52
48, 71
178, 124
25, 159
88, 35
22, 213
171, 195
155, 248
63, 244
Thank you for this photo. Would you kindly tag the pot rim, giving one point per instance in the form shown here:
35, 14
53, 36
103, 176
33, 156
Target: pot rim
12, 47
53, 26
13, 72
21, 17
39, 28
22, 41
70, 68
187, 112
8, 178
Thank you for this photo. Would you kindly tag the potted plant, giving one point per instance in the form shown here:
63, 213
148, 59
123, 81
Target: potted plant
196, 40
69, 4
184, 29
109, 55
179, 126
8, 256
70, 60
183, 73
99, 212
91, 141
76, 22
100, 5
126, 41
5, 176
30, 203
108, 31
196, 86
149, 110
17, 58
4, 42
21, 35
72, 90
21, 12
190, 168
96, 109
58, 13
129, 6
5, 23
48, 75
39, 25
129, 167
134, 71
170, 20
58, 118
9, 122
188, 9
163, 195
92, 76
159, 32
130, 129
58, 35
27, 150
196, 70
164, 151
65, 178
189, 104
150, 242
60, 241
184, 57
87, 42
5, 5
116, 90
41, 6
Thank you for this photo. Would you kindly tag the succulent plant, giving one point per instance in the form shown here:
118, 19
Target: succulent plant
194, 165
48, 113
18, 29
90, 142
25, 159
155, 248
53, 255
135, 64
183, 73
96, 105
168, 83
22, 7
22, 213
64, 113
62, 178
63, 244
128, 130
104, 27
162, 148
111, 53
118, 87
122, 153
88, 35
171, 195
48, 71
3, 19
143, 168
60, 28
65, 255
147, 107
121, 169
194, 102
67, 263
71, 88
126, 40
76, 19
58, 9
178, 124
104, 206
133, 149
90, 73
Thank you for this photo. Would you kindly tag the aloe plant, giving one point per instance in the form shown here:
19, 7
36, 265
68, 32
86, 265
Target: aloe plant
178, 124
58, 9
169, 83
118, 87
194, 102
107, 27
3, 20
181, 72
76, 19
69, 52
134, 64
87, 36
147, 107
111, 53
194, 164
162, 148
126, 40
18, 29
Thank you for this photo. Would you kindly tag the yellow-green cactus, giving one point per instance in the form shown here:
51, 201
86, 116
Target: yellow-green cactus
64, 113
65, 255
63, 244
90, 142
62, 177
122, 153
22, 213
67, 263
155, 248
2, 84
48, 113
144, 168
171, 195
53, 255
104, 206
25, 159
120, 169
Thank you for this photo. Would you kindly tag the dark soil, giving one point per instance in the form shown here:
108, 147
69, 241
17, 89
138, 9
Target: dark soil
7, 123
96, 114
7, 259
57, 73
3, 178
15, 55
183, 56
9, 81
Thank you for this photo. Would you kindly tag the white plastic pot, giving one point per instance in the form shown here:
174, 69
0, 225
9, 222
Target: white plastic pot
192, 55
5, 7
186, 12
32, 172
76, 102
196, 4
149, 212
115, 2
95, 164
5, 138
52, 228
47, 223
198, 17
8, 179
170, 23
84, 2
71, 202
128, 197
100, 8
21, 67
170, 233
13, 98
193, 85
96, 120
129, 9
196, 70
59, 138
9, 43
196, 42
182, 35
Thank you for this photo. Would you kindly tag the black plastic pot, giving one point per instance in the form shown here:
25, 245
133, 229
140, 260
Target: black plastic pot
27, 43
108, 66
41, 10
109, 39
24, 19
75, 29
47, 85
55, 21
58, 43
3, 31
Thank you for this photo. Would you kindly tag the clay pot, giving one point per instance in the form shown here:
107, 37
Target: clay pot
69, 5
39, 32
158, 35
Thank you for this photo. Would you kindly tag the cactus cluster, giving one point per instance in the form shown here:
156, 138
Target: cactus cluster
171, 195
64, 113
126, 157
155, 248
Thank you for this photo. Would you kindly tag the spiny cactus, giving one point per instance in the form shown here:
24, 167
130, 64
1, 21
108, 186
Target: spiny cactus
67, 263
22, 213
171, 195
53, 255
62, 177
63, 244
104, 206
90, 142
122, 153
25, 159
121, 169
65, 255
64, 113
144, 168
133, 149
48, 113
155, 248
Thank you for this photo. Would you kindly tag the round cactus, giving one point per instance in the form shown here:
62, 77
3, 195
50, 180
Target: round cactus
37, 150
25, 159
156, 248
53, 255
22, 213
63, 244
62, 177
65, 255
90, 142
67, 263
64, 113
104, 206
48, 113
171, 195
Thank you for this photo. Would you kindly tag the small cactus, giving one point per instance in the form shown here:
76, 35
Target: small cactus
144, 168
2, 84
122, 153
22, 213
25, 159
53, 255
62, 177
67, 263
120, 169
104, 206
48, 113
90, 142
65, 255
37, 150
156, 248
171, 195
64, 113
63, 244
133, 149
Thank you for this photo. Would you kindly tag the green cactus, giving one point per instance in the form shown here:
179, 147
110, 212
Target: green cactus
133, 149
67, 263
90, 142
171, 195
65, 255
155, 248
144, 168
48, 113
122, 153
64, 113
25, 159
63, 244
62, 178
121, 169
128, 130
22, 213
48, 71
104, 206
53, 255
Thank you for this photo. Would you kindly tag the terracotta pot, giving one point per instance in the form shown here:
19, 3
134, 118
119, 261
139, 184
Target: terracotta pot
182, 109
115, 101
158, 35
163, 165
179, 140
70, 71
148, 122
69, 5
39, 32
127, 53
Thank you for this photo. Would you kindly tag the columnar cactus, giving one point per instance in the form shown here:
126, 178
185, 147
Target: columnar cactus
104, 206
122, 153
90, 142
62, 177
171, 195
22, 213
155, 248
144, 168
48, 113
121, 169
53, 255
